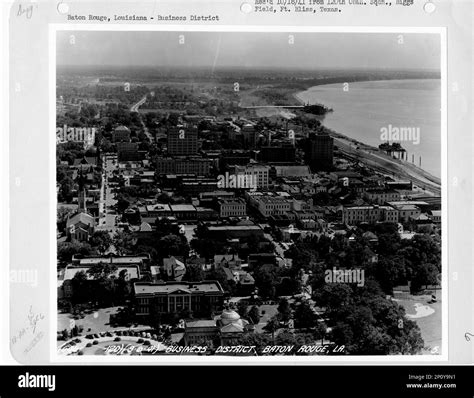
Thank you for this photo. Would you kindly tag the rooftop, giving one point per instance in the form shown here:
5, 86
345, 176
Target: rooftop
182, 208
170, 287
203, 323
71, 271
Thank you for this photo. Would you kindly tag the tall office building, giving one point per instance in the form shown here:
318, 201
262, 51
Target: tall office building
278, 154
319, 152
182, 141
249, 136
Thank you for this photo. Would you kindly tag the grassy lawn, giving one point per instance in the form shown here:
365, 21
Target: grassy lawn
270, 311
97, 321
430, 326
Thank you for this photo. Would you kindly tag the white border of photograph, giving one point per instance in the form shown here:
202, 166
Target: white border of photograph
55, 357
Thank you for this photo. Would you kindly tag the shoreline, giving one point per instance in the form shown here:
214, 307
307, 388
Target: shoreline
375, 158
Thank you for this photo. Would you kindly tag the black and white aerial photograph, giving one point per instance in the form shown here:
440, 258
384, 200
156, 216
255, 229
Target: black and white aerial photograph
249, 194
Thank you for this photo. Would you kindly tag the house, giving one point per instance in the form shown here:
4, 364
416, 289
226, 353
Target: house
227, 260
80, 227
174, 268
245, 283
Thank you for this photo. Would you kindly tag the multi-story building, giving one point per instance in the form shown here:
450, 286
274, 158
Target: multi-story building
278, 154
65, 285
240, 158
209, 198
200, 331
173, 297
369, 214
257, 173
184, 212
232, 208
272, 205
155, 210
381, 196
182, 141
128, 151
224, 232
249, 136
319, 152
121, 134
407, 211
194, 186
195, 166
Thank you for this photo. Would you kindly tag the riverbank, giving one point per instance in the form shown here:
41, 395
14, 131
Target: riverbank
381, 163
378, 160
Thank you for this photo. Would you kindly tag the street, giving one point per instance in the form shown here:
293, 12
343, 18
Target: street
107, 197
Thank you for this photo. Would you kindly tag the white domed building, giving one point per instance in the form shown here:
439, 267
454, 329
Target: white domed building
227, 328
231, 326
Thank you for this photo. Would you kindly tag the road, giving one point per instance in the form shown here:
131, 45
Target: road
134, 108
107, 197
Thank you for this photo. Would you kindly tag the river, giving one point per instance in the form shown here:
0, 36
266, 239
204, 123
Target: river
367, 110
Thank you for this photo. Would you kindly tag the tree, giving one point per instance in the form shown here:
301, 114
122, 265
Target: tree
242, 308
102, 270
272, 326
67, 249
266, 279
79, 286
122, 204
123, 289
103, 290
337, 298
165, 227
101, 240
194, 273
259, 341
284, 310
320, 331
424, 274
66, 189
254, 315
390, 271
123, 242
373, 325
173, 245
304, 316
163, 198
63, 214
186, 313
220, 276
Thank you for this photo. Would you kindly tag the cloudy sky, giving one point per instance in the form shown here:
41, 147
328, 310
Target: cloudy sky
253, 50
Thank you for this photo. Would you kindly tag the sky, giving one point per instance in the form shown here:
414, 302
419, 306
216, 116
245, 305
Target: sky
252, 50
